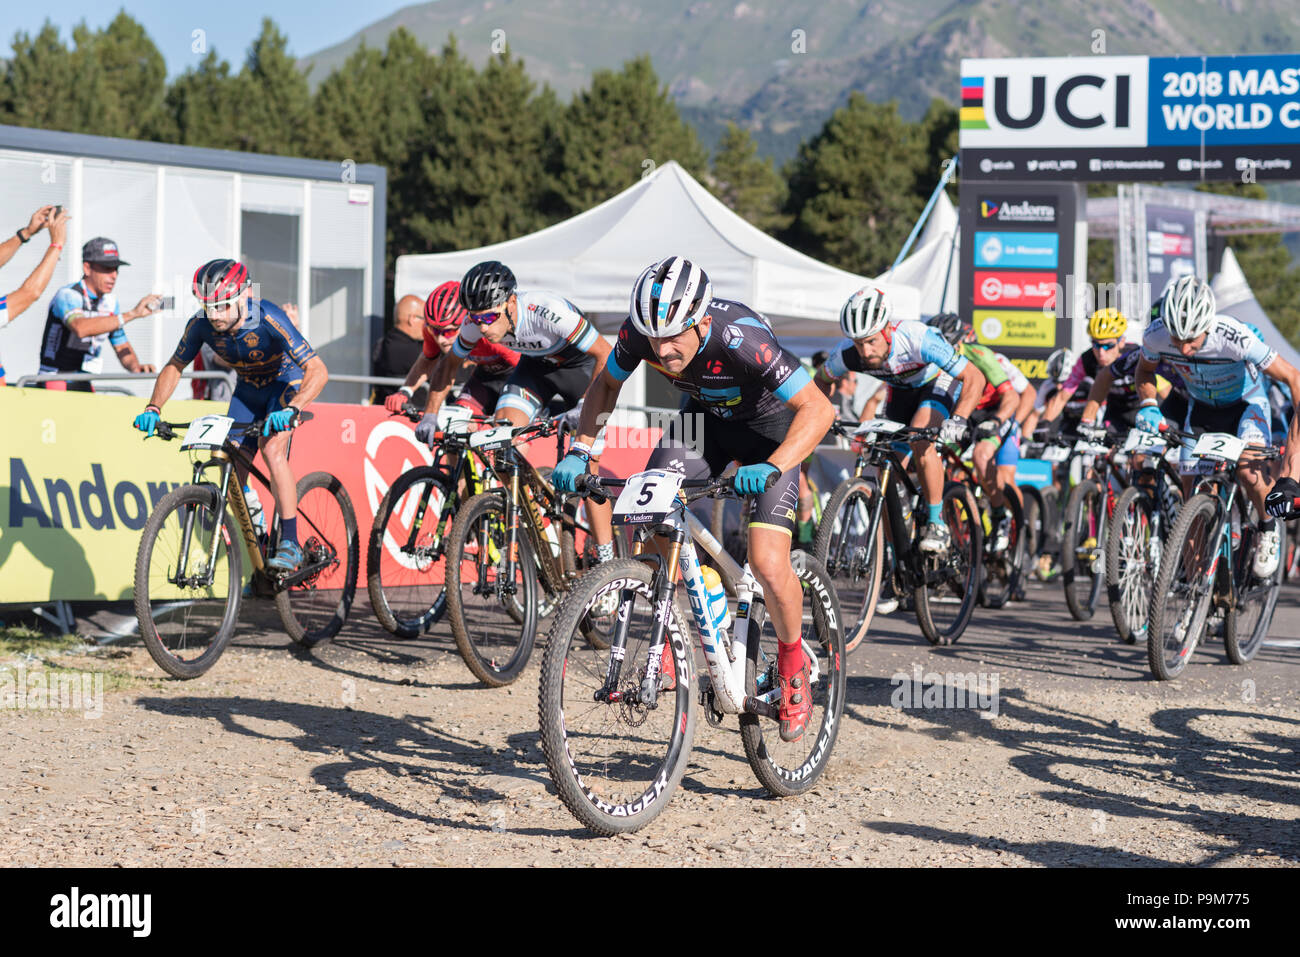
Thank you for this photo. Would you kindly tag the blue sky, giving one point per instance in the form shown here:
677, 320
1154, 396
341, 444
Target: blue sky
230, 25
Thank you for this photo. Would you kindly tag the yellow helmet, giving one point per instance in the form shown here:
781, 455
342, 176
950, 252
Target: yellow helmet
1107, 324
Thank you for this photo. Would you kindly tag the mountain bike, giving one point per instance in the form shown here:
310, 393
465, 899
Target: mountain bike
1207, 563
1087, 523
1001, 572
506, 542
618, 724
943, 587
189, 580
1145, 513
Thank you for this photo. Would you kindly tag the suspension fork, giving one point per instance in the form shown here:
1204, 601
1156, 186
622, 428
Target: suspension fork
618, 644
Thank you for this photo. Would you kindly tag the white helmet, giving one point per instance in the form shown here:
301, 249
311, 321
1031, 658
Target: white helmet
1059, 364
1187, 307
866, 313
670, 297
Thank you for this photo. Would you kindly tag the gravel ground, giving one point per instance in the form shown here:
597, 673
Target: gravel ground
372, 752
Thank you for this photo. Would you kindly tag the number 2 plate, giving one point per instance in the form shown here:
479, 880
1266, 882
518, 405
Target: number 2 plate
647, 497
207, 432
1219, 445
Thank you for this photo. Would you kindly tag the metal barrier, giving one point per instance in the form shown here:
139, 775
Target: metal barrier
227, 374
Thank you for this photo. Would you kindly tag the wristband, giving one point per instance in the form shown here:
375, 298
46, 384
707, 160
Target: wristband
58, 246
580, 452
405, 391
581, 447
121, 323
19, 233
1147, 403
153, 408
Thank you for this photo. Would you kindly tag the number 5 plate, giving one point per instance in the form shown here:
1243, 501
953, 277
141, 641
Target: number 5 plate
1219, 445
207, 432
647, 497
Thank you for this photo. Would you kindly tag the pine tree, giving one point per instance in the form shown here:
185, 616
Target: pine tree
939, 131
750, 186
129, 77
39, 86
853, 187
203, 106
616, 131
275, 103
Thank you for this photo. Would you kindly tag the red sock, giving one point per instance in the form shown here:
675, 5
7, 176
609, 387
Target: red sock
789, 658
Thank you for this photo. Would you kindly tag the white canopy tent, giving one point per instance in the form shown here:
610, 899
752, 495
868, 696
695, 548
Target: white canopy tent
933, 258
594, 258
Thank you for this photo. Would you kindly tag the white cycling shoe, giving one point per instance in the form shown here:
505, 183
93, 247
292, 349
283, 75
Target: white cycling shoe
1267, 553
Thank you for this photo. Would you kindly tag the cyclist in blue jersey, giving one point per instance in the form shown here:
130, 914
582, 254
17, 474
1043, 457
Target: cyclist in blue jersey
931, 385
761, 410
279, 376
1222, 365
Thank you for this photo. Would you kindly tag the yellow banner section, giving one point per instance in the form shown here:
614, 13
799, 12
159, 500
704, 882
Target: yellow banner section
78, 485
1015, 327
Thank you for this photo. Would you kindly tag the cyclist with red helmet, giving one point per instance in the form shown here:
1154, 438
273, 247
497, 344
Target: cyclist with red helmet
493, 362
278, 376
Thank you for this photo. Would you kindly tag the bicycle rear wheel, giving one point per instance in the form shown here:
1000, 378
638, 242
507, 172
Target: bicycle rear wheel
786, 768
578, 553
494, 621
1132, 552
1184, 588
615, 763
853, 564
187, 626
1083, 549
1246, 623
404, 569
946, 600
1003, 571
314, 609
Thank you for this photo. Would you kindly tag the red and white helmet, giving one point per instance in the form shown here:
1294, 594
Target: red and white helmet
866, 313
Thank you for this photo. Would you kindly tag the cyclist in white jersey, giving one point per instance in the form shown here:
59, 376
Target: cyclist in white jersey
1223, 365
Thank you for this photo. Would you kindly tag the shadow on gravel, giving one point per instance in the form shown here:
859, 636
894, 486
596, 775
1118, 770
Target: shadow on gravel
1071, 753
410, 749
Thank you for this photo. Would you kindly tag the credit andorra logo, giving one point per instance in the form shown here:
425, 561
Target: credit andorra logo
76, 910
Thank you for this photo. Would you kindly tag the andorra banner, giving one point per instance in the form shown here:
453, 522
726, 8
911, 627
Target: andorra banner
81, 482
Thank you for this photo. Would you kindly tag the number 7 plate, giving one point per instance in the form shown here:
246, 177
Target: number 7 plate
207, 432
647, 497
1219, 445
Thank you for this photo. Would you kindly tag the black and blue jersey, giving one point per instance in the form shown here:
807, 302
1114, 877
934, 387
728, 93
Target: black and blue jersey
264, 348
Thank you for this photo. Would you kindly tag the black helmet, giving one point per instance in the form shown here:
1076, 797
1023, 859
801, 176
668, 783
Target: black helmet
486, 286
950, 326
220, 281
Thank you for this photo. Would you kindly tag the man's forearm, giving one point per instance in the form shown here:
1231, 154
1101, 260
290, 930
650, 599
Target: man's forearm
165, 385
33, 285
314, 378
812, 420
8, 248
419, 372
87, 326
126, 355
972, 387
599, 400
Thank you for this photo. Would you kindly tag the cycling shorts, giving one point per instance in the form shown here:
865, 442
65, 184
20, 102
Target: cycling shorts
940, 394
480, 393
1247, 419
251, 402
1174, 408
702, 445
1009, 450
533, 384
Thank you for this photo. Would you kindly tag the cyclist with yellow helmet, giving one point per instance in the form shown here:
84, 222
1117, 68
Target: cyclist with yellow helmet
1115, 386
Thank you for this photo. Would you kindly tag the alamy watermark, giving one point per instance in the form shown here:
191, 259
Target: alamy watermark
42, 690
976, 691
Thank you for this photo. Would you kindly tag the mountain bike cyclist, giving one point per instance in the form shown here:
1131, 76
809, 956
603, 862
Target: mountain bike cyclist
1223, 364
931, 385
1059, 366
1106, 329
561, 354
493, 362
1113, 399
749, 401
278, 376
997, 439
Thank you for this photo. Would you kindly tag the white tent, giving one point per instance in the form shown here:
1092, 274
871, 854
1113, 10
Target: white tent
594, 258
932, 258
1234, 297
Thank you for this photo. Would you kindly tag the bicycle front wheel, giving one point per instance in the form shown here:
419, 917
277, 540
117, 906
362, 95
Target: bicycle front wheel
188, 581
314, 609
615, 761
1246, 623
852, 561
946, 599
578, 553
786, 768
1184, 588
404, 569
1003, 571
1082, 549
1132, 563
493, 618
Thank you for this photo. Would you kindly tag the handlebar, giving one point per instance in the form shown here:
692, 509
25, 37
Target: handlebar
597, 488
169, 430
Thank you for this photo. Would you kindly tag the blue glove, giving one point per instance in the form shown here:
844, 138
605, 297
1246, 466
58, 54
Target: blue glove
147, 421
752, 479
1149, 418
281, 420
565, 475
427, 429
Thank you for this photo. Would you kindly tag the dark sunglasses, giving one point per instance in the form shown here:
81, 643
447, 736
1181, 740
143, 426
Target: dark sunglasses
485, 318
1105, 346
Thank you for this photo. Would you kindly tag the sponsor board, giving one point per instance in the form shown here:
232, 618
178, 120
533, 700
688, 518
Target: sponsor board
1007, 249
1015, 327
1019, 290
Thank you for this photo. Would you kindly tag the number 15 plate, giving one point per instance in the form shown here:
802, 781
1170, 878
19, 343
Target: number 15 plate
647, 497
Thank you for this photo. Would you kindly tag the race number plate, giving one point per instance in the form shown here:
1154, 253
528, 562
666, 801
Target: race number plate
1219, 445
1055, 453
1084, 447
207, 432
453, 419
877, 429
1139, 441
494, 438
647, 497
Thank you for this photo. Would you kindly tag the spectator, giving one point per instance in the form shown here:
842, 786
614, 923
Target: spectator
85, 314
401, 346
55, 219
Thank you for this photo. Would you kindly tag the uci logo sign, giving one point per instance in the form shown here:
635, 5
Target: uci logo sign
1054, 101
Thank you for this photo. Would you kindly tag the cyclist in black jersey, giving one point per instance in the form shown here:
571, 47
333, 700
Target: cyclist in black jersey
756, 405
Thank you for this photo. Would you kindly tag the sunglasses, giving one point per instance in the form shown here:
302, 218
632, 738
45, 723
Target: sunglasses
485, 318
1105, 346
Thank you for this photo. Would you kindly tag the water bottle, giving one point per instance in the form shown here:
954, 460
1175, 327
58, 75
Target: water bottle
255, 512
552, 539
715, 599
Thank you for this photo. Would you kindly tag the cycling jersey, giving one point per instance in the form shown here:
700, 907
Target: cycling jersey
264, 348
493, 360
1224, 371
547, 326
1078, 384
917, 354
741, 371
61, 351
996, 383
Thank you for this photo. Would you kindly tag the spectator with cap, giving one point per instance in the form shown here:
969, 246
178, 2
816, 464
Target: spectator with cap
85, 313
401, 346
55, 219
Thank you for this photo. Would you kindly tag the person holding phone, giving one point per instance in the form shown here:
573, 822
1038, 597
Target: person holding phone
84, 315
13, 304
